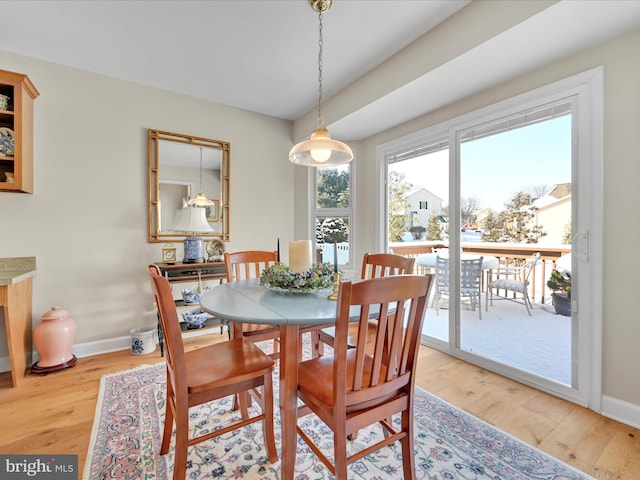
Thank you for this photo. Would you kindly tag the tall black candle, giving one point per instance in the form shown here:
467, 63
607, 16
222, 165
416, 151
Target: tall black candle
278, 249
335, 257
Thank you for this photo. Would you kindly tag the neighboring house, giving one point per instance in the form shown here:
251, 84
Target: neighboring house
481, 215
553, 213
420, 205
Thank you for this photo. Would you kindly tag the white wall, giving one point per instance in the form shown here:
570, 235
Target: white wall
86, 222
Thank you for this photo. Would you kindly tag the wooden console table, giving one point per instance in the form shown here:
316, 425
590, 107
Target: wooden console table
16, 303
191, 272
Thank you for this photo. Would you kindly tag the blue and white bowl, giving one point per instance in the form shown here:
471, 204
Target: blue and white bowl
195, 319
190, 296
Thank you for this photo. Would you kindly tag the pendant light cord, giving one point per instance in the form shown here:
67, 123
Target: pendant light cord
320, 44
201, 170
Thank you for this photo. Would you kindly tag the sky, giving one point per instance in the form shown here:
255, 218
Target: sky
494, 168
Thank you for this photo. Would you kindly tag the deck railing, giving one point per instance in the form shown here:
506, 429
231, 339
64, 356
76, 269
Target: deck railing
508, 254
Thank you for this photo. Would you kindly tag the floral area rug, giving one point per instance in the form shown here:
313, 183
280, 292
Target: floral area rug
449, 445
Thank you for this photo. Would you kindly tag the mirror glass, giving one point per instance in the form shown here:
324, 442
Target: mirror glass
180, 167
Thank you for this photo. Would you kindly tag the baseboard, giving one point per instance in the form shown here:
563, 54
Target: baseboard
80, 350
99, 347
621, 410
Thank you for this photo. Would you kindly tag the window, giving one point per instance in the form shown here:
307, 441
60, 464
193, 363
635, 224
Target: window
333, 214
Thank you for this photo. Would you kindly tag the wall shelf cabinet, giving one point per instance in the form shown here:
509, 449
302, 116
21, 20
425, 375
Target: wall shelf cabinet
16, 133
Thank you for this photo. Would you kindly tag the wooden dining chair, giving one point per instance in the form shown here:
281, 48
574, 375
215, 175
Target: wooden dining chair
250, 264
374, 265
228, 368
357, 387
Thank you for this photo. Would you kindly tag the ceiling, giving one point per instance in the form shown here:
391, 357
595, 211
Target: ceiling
261, 55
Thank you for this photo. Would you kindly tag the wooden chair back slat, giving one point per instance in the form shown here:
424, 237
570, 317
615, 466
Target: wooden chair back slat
248, 264
376, 265
394, 351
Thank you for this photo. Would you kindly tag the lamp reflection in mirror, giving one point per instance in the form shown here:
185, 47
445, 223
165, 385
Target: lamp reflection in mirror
201, 199
192, 220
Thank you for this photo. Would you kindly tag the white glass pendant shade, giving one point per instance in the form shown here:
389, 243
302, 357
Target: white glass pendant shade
201, 201
320, 150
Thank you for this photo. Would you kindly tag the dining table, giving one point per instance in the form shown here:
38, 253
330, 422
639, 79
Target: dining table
246, 301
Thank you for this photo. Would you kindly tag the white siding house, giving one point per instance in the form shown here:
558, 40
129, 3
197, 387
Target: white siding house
421, 204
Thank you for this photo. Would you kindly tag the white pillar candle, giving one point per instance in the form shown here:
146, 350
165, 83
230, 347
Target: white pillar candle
300, 255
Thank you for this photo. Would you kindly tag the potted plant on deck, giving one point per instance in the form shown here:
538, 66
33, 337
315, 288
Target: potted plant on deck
560, 283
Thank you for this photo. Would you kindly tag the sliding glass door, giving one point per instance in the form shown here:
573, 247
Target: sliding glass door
504, 186
516, 197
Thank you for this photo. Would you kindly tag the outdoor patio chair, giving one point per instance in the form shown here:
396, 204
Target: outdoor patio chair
470, 282
514, 280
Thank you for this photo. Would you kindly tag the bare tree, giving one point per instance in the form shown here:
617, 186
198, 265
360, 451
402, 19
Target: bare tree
468, 208
538, 191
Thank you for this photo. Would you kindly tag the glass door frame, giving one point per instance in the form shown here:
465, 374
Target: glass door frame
587, 217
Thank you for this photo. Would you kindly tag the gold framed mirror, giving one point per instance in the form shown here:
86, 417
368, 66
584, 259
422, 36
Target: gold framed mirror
180, 167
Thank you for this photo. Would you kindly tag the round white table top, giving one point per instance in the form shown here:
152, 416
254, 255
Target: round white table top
248, 301
429, 259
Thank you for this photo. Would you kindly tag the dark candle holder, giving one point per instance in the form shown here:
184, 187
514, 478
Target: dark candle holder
336, 286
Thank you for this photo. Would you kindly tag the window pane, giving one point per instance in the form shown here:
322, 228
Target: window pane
332, 234
418, 197
332, 185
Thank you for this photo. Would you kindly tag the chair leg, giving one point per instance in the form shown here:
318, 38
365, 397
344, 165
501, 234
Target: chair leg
408, 463
168, 429
268, 423
340, 452
168, 420
243, 403
527, 302
182, 443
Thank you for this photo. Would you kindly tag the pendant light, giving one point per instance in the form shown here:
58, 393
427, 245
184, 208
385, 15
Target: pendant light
320, 150
201, 200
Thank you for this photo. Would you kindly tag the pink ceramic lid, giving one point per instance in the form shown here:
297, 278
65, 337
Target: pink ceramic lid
55, 313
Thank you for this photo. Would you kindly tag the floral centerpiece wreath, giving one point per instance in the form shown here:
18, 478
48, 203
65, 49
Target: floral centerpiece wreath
281, 278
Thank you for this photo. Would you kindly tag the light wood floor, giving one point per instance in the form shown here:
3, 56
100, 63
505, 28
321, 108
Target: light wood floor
54, 413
